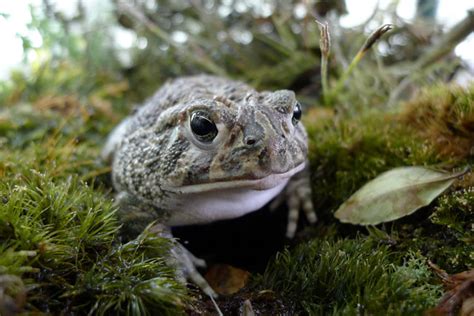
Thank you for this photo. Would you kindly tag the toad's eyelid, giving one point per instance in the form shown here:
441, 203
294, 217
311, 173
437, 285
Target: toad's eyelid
283, 109
223, 100
287, 109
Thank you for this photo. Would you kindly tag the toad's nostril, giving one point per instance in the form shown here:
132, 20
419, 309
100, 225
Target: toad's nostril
250, 141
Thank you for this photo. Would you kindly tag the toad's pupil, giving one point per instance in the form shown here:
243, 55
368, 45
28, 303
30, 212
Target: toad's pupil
296, 113
204, 129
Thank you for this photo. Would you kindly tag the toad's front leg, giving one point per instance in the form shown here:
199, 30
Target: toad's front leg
297, 195
185, 262
136, 216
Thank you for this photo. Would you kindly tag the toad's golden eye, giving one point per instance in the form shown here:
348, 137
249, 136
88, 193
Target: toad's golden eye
203, 127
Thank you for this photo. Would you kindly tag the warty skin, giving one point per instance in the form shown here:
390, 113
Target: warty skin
206, 148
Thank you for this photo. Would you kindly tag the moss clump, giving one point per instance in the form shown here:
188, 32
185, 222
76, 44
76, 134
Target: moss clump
456, 210
59, 246
455, 215
346, 152
435, 128
445, 117
130, 279
349, 277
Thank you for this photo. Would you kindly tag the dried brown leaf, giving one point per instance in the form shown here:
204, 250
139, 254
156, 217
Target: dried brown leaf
226, 279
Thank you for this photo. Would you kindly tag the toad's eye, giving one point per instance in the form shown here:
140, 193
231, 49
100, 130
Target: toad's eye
296, 113
203, 127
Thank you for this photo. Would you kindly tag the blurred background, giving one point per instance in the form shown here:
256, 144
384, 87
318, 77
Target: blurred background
270, 43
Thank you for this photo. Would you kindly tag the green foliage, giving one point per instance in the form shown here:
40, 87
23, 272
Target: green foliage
456, 210
21, 125
67, 62
351, 277
132, 279
261, 48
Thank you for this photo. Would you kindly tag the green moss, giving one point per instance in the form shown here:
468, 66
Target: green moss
444, 116
346, 152
349, 277
454, 216
59, 233
456, 211
130, 279
436, 128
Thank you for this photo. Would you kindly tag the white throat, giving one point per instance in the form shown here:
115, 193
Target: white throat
210, 206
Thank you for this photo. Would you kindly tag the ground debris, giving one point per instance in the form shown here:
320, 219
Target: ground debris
459, 298
226, 279
248, 301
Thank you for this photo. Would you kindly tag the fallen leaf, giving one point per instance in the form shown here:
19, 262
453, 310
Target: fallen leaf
395, 194
225, 279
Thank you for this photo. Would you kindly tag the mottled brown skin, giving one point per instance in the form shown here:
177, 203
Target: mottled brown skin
162, 171
157, 154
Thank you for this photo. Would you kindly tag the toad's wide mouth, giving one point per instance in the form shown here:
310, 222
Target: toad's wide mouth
264, 183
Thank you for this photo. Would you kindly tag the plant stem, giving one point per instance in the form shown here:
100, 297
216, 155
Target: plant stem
371, 40
324, 79
325, 46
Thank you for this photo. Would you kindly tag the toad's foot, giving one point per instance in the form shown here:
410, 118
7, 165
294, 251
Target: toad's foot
297, 196
185, 262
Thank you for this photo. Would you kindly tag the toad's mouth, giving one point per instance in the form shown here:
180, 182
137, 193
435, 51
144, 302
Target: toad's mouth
264, 183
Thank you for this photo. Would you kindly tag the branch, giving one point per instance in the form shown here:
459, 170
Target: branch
448, 42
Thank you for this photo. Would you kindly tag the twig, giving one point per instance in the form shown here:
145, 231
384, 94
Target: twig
325, 45
457, 34
440, 272
447, 43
